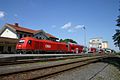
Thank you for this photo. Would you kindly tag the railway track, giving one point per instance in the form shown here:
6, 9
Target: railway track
23, 61
32, 58
40, 70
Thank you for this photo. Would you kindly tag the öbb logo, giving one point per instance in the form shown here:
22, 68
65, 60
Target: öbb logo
47, 46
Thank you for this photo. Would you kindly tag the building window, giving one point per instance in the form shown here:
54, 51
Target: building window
29, 35
9, 48
40, 38
37, 37
25, 35
20, 35
100, 44
1, 48
93, 41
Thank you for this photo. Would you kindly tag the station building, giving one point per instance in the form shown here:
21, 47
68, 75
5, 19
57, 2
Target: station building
11, 33
7, 45
105, 44
98, 43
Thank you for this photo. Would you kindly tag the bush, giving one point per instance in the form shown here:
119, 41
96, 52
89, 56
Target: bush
118, 53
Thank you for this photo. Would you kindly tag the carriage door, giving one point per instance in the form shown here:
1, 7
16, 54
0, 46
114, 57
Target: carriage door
76, 50
68, 45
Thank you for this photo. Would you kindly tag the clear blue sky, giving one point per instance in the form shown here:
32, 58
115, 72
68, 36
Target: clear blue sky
64, 18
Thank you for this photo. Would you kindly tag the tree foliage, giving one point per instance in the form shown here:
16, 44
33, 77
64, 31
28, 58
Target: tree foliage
68, 40
116, 36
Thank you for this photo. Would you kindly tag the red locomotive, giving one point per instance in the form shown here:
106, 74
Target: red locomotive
33, 45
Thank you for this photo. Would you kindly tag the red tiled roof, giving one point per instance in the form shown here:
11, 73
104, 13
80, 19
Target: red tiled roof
50, 35
19, 28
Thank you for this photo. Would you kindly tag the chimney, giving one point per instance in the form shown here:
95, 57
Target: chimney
16, 24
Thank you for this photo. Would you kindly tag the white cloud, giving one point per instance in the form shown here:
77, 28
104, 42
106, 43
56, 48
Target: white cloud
79, 26
71, 28
2, 14
67, 25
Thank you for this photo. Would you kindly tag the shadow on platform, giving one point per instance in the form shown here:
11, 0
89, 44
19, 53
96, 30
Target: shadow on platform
115, 61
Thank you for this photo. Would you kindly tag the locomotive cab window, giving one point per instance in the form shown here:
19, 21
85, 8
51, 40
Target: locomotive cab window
21, 41
30, 41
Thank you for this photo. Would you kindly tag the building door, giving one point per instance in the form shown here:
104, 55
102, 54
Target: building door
1, 49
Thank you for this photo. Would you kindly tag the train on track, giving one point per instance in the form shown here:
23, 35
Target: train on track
94, 50
32, 45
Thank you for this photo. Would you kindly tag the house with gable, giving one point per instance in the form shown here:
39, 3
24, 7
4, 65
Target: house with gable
17, 32
11, 33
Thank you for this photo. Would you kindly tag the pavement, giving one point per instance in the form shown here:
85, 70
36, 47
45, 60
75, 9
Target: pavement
95, 71
23, 55
28, 66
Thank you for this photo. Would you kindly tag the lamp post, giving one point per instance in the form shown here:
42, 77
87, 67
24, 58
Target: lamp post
85, 46
84, 35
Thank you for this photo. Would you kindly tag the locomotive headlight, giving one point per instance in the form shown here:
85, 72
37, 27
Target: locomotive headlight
19, 46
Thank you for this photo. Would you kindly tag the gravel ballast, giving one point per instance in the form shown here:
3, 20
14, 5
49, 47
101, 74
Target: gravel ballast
95, 71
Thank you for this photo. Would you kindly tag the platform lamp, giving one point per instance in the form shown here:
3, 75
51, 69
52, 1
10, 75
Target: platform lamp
84, 35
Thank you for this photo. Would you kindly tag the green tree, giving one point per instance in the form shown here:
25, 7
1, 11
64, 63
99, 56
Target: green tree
116, 36
60, 40
68, 40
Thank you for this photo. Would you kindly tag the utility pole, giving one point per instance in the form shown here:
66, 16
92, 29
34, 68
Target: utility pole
84, 35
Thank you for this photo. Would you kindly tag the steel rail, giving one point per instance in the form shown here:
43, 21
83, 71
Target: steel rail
39, 72
31, 58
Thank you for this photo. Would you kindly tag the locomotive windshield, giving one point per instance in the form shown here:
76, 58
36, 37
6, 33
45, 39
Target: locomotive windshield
21, 41
30, 41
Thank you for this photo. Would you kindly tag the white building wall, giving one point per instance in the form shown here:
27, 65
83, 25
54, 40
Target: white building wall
105, 45
40, 35
8, 33
95, 42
